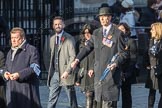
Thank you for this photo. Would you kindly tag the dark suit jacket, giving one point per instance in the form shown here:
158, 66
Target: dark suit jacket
109, 90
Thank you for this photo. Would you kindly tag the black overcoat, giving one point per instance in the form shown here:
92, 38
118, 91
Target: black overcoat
128, 68
109, 89
87, 83
2, 82
24, 92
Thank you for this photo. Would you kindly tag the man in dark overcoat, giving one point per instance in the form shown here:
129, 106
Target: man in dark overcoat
106, 42
21, 73
2, 82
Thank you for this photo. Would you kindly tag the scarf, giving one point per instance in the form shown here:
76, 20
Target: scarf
14, 49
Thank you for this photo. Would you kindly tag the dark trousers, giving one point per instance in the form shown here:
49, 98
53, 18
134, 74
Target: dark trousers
126, 94
160, 102
2, 97
55, 90
151, 98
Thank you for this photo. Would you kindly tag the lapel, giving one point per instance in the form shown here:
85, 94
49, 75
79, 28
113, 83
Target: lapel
53, 40
100, 37
62, 40
111, 32
151, 42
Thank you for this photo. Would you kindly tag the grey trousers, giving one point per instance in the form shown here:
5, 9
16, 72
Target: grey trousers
55, 90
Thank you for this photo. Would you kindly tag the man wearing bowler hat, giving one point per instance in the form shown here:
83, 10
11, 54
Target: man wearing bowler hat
106, 42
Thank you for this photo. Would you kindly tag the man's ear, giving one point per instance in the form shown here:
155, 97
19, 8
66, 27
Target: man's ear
63, 25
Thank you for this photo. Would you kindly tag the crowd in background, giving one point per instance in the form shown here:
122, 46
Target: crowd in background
97, 46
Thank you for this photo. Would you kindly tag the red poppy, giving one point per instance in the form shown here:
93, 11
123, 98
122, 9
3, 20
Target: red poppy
62, 39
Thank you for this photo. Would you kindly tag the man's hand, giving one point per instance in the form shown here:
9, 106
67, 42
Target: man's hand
7, 75
74, 63
112, 66
148, 67
77, 84
64, 75
14, 76
90, 73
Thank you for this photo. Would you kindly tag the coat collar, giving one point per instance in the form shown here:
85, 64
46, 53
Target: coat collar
111, 32
23, 47
13, 52
63, 39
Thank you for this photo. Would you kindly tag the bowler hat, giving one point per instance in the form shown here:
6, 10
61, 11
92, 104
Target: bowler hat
105, 11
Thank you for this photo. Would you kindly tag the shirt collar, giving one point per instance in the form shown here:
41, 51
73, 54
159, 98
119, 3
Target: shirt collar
107, 28
60, 34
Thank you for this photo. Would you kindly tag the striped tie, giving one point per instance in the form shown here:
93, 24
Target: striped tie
104, 33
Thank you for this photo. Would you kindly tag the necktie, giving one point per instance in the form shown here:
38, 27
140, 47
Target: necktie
86, 42
104, 32
57, 40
